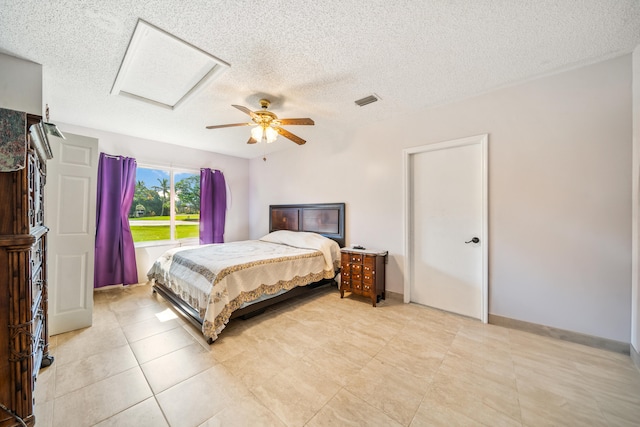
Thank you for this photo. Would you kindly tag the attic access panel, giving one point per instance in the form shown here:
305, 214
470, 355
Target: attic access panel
163, 70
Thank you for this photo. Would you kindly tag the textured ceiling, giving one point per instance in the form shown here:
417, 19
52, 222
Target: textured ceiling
311, 58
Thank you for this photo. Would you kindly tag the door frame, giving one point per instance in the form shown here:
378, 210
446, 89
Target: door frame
483, 141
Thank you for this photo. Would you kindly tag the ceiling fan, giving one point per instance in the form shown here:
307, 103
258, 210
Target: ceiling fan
267, 124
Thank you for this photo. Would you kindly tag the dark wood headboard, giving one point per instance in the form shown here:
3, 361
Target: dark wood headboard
326, 219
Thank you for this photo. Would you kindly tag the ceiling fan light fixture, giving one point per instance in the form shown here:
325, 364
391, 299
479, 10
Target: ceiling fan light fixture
267, 126
270, 134
264, 133
256, 133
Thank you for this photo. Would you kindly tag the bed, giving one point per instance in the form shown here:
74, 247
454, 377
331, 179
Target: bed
212, 284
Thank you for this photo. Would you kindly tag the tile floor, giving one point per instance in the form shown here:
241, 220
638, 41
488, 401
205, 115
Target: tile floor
322, 361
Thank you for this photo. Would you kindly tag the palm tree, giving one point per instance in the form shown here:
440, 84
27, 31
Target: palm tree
163, 188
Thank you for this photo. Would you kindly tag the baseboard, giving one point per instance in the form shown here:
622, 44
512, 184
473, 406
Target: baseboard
635, 357
561, 334
121, 286
395, 296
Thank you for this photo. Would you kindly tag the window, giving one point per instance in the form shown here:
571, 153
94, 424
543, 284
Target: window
166, 205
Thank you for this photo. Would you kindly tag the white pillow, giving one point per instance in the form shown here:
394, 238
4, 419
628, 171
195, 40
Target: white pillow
307, 240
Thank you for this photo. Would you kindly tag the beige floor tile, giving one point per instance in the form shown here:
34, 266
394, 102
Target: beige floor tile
260, 363
348, 351
245, 412
345, 409
482, 371
620, 407
390, 389
321, 360
297, 393
432, 413
160, 344
101, 400
627, 417
264, 324
135, 315
152, 326
81, 373
428, 334
335, 366
296, 340
45, 388
419, 361
144, 414
232, 342
366, 343
103, 317
78, 345
615, 379
541, 406
197, 399
43, 412
196, 334
177, 366
453, 401
476, 395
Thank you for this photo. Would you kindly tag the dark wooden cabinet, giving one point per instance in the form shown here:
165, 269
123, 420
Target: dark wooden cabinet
24, 337
363, 273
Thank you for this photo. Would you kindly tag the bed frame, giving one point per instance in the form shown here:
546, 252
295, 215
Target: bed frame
326, 219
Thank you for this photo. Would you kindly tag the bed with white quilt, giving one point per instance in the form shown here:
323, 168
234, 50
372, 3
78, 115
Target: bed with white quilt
212, 284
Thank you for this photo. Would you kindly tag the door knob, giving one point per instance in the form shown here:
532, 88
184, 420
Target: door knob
474, 240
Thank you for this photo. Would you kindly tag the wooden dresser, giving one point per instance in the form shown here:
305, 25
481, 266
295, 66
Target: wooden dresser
24, 338
362, 272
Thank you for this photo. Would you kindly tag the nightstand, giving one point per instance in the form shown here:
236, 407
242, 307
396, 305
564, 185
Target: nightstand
362, 273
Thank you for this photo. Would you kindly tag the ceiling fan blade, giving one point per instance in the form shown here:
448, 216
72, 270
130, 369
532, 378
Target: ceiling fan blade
305, 121
289, 135
246, 111
229, 125
251, 140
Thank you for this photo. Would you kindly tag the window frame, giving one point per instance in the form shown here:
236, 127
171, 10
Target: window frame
173, 170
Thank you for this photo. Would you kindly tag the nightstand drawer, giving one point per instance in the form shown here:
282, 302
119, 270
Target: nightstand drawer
355, 258
369, 261
368, 289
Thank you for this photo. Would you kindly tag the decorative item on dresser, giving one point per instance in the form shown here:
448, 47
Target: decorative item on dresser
24, 342
363, 272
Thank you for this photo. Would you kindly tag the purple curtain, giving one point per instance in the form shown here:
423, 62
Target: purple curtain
115, 261
213, 206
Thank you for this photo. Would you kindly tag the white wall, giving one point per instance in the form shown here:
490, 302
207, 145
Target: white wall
20, 85
153, 153
559, 192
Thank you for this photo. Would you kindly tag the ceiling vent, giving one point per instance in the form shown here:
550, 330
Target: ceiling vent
367, 100
163, 70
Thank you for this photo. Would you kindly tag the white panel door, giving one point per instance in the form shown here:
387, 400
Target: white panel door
71, 212
447, 215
